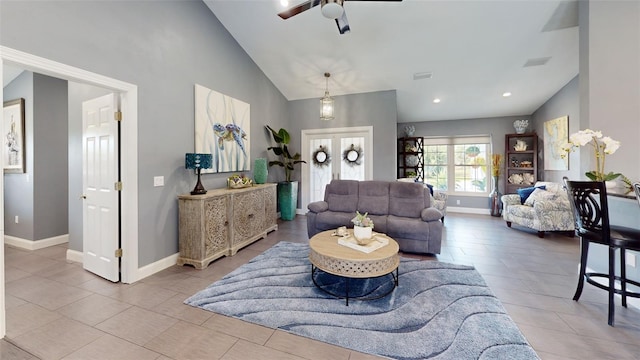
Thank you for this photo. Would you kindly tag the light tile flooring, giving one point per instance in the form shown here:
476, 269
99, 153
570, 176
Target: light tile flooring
56, 310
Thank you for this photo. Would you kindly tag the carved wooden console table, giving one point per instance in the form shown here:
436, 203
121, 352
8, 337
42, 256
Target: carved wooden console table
223, 221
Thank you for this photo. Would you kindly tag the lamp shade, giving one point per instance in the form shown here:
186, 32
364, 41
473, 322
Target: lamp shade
198, 161
326, 107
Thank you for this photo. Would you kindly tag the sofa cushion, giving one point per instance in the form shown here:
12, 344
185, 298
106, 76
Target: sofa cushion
373, 197
525, 192
342, 195
538, 195
406, 199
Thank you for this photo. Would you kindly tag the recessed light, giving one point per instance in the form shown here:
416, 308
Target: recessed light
436, 100
506, 94
284, 2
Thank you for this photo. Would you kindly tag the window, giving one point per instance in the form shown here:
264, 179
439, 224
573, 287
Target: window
458, 165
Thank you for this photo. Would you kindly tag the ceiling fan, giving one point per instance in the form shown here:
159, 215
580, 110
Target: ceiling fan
331, 9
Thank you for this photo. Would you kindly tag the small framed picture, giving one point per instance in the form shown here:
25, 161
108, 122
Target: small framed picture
13, 139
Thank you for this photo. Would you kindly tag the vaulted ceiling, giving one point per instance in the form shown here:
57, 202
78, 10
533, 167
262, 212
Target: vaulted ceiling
465, 53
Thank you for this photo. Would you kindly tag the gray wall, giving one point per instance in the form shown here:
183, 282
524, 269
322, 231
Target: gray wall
164, 48
78, 93
609, 93
564, 102
18, 188
494, 127
39, 196
50, 160
377, 109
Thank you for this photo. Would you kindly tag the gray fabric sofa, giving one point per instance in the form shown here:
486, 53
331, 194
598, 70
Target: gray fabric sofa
399, 209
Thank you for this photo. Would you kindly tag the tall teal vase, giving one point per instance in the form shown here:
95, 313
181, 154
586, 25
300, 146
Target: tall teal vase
288, 199
260, 171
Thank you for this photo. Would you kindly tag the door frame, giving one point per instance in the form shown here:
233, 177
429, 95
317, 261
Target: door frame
128, 96
306, 154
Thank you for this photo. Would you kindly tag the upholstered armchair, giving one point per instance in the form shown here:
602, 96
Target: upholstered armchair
439, 201
544, 207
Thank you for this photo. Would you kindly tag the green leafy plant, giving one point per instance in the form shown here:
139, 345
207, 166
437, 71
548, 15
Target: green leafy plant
287, 161
362, 220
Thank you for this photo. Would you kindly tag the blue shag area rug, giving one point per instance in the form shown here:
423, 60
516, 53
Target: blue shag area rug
438, 310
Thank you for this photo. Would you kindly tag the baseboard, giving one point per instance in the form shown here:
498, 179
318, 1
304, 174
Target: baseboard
37, 244
466, 210
155, 267
75, 256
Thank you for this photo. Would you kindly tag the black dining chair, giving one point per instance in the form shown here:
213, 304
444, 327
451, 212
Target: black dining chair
591, 212
636, 188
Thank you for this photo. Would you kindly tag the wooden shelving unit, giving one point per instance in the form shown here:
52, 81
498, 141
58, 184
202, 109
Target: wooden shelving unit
520, 161
411, 157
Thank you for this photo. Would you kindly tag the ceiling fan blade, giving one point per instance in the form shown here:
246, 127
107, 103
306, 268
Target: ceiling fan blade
298, 9
343, 24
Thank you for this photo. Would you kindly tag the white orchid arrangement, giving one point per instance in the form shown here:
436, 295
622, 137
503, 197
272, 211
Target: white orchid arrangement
602, 146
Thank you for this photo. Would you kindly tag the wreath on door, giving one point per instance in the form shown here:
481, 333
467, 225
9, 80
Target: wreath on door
321, 157
353, 155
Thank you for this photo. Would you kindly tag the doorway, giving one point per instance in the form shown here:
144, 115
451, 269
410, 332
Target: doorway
129, 138
336, 153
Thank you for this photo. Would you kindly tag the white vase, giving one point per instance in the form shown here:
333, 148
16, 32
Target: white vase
611, 184
362, 233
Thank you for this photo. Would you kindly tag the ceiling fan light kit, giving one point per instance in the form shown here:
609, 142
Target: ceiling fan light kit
331, 9
326, 103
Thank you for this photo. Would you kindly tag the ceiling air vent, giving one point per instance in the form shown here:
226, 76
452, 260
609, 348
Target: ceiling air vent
423, 75
537, 62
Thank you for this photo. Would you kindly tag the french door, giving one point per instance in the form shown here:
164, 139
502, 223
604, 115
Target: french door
338, 153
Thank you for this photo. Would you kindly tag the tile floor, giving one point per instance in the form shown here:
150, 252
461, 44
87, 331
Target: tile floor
56, 310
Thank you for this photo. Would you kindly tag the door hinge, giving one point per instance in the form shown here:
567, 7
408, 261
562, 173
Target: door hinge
119, 253
117, 115
118, 186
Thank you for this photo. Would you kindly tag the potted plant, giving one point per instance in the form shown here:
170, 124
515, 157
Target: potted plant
287, 190
362, 227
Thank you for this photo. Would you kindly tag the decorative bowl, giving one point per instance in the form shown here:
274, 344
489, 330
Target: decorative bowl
515, 179
527, 178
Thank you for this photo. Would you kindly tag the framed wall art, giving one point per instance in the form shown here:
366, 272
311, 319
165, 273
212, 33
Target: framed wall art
556, 133
222, 127
14, 152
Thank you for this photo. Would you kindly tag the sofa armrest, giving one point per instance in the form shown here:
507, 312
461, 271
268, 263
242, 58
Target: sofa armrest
511, 199
430, 214
318, 206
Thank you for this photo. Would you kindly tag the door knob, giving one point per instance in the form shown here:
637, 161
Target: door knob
83, 197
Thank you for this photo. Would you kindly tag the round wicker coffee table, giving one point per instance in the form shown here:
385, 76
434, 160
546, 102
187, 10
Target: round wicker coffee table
328, 256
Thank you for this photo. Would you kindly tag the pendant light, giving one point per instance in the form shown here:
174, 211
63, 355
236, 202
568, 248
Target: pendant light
326, 103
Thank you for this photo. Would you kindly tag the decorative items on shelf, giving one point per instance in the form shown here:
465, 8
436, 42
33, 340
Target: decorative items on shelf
521, 153
353, 155
239, 181
260, 170
602, 146
409, 130
521, 126
412, 160
198, 162
520, 145
321, 157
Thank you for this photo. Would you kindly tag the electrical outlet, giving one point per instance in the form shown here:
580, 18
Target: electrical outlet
17, 220
457, 202
630, 259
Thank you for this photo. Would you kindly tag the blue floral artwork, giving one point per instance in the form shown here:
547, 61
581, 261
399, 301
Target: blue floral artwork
222, 126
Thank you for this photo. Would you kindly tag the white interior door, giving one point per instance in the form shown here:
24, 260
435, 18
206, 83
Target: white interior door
348, 153
99, 177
